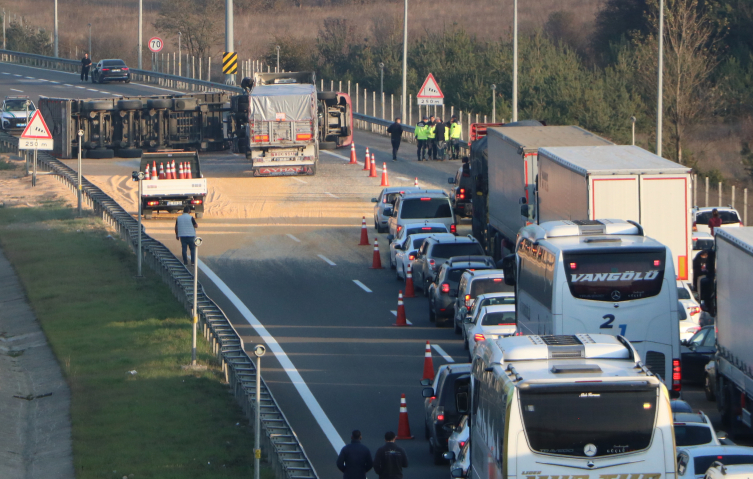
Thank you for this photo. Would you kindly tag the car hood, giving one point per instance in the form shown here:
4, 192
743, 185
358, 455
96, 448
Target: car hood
15, 114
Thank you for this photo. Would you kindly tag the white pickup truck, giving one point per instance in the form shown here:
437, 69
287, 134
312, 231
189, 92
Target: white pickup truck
172, 195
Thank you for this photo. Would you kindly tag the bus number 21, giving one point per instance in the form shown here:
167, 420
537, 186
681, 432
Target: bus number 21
608, 324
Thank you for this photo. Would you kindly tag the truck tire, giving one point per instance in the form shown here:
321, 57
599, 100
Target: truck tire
96, 105
100, 154
326, 95
327, 145
129, 153
160, 103
130, 105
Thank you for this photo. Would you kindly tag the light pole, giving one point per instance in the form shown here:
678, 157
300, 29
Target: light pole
80, 135
381, 79
278, 58
56, 28
179, 56
403, 109
197, 242
139, 176
494, 103
515, 61
141, 18
632, 119
4, 29
660, 86
229, 77
90, 41
259, 351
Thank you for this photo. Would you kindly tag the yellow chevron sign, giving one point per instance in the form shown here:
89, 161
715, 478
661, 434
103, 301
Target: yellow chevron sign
229, 63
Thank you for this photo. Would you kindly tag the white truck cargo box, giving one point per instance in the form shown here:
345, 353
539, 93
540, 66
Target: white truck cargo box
621, 182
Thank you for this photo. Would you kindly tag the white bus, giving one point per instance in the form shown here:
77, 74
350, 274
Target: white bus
599, 276
567, 407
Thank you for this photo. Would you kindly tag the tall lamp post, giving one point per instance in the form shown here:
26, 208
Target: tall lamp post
515, 61
660, 86
90, 41
403, 109
381, 79
494, 103
141, 18
56, 28
229, 77
278, 58
197, 242
179, 55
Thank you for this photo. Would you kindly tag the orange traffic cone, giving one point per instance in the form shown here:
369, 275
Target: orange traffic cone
401, 321
181, 174
403, 426
428, 363
168, 171
364, 234
161, 172
372, 173
154, 170
409, 291
367, 162
415, 183
353, 160
376, 263
189, 175
146, 173
385, 180
172, 170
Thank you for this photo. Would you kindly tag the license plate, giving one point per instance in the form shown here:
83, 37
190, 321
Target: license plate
174, 203
281, 153
116, 69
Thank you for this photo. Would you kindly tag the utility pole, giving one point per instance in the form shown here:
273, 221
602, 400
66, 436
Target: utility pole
56, 29
278, 58
90, 41
404, 96
632, 119
494, 103
515, 61
180, 59
229, 44
381, 79
141, 19
660, 86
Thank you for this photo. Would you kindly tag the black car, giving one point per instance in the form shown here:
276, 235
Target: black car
111, 70
443, 290
696, 352
460, 195
440, 405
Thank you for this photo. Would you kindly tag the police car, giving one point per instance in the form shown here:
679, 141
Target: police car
14, 112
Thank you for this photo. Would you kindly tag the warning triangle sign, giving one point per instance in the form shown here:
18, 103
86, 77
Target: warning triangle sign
430, 89
37, 128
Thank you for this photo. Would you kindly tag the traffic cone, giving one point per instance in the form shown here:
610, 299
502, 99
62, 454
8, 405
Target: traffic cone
181, 174
174, 171
376, 263
353, 160
428, 363
372, 173
161, 172
146, 173
367, 162
415, 182
189, 175
401, 321
385, 180
364, 234
154, 170
409, 291
168, 171
403, 426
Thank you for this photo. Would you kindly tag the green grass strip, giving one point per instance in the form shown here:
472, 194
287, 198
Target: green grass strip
163, 422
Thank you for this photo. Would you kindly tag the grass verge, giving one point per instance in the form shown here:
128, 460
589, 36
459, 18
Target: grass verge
163, 421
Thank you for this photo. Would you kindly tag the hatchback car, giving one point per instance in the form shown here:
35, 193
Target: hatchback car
693, 462
460, 194
435, 251
460, 462
450, 384
384, 204
701, 216
696, 352
406, 253
492, 322
424, 228
419, 207
443, 291
689, 325
488, 299
474, 283
111, 70
14, 112
694, 429
719, 470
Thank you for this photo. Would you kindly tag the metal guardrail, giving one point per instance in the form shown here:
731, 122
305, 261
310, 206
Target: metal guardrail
280, 444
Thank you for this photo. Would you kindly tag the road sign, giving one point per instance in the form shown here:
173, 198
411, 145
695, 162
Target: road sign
36, 135
229, 63
156, 44
430, 94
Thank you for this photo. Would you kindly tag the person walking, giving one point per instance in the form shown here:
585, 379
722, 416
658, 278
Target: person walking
715, 221
396, 135
354, 460
432, 138
456, 132
422, 135
390, 459
439, 139
185, 232
85, 64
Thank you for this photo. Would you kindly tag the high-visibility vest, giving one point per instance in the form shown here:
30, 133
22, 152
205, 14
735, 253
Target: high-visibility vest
456, 131
446, 133
430, 129
421, 131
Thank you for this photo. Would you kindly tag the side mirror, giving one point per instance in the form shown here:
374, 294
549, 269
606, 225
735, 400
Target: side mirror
461, 402
721, 435
427, 392
374, 200
451, 181
449, 456
457, 473
425, 382
508, 267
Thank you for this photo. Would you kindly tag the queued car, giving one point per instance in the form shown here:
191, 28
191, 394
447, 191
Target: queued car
460, 463
418, 207
701, 216
406, 253
460, 194
385, 202
435, 251
14, 112
690, 324
443, 291
460, 433
450, 385
492, 322
695, 429
693, 462
110, 70
719, 470
474, 283
702, 241
399, 242
488, 299
696, 352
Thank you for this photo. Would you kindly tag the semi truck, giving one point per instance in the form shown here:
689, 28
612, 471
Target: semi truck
734, 335
172, 194
620, 182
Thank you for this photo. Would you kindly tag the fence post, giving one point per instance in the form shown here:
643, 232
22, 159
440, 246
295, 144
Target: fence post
340, 88
209, 69
707, 192
332, 85
410, 109
357, 99
348, 87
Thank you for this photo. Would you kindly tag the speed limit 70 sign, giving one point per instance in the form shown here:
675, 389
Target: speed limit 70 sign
155, 44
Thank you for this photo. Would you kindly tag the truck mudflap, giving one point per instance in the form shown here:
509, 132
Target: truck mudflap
285, 170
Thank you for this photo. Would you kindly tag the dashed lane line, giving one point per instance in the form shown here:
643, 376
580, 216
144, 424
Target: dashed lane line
91, 89
300, 180
293, 238
67, 84
406, 319
327, 260
13, 89
330, 194
336, 155
287, 365
442, 353
362, 286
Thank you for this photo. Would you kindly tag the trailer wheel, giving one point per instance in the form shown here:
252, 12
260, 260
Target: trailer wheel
129, 153
327, 145
96, 105
100, 153
187, 104
130, 105
160, 103
326, 95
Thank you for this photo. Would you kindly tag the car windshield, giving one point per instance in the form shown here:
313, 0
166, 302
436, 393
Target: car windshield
454, 275
702, 463
17, 105
727, 217
489, 285
601, 420
415, 208
687, 435
113, 63
418, 242
500, 300
498, 319
682, 293
448, 250
703, 243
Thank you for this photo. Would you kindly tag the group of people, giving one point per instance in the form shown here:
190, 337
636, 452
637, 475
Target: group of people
434, 137
355, 458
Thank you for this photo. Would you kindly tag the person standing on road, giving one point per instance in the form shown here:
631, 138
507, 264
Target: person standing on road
439, 139
456, 132
354, 460
390, 459
396, 135
85, 64
422, 136
431, 127
185, 232
715, 221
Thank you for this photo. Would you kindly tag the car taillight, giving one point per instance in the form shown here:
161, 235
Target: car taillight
695, 227
125, 69
497, 280
676, 375
467, 300
152, 203
196, 202
461, 194
303, 136
426, 229
105, 69
399, 228
695, 310
411, 257
260, 138
478, 337
445, 288
462, 443
657, 262
453, 229
440, 414
425, 199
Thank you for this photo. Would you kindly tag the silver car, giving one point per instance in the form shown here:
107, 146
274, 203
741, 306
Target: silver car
384, 204
14, 112
404, 250
419, 207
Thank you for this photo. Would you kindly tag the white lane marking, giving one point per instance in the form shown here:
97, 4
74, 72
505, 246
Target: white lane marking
82, 87
327, 260
67, 84
330, 194
6, 73
91, 89
293, 238
30, 78
158, 88
335, 154
42, 79
443, 353
300, 180
406, 319
402, 178
362, 286
295, 377
16, 75
53, 81
13, 89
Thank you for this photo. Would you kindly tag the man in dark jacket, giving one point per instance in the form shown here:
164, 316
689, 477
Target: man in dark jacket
396, 135
85, 63
390, 459
355, 459
439, 140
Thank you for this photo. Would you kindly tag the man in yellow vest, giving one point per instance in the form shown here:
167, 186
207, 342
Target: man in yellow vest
422, 135
456, 132
431, 143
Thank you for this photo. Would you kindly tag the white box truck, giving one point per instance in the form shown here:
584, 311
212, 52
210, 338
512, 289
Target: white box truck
619, 182
512, 169
734, 334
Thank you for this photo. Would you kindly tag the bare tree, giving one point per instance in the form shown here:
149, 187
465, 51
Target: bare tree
200, 22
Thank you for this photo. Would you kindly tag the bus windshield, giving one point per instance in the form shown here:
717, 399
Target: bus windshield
615, 276
597, 422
